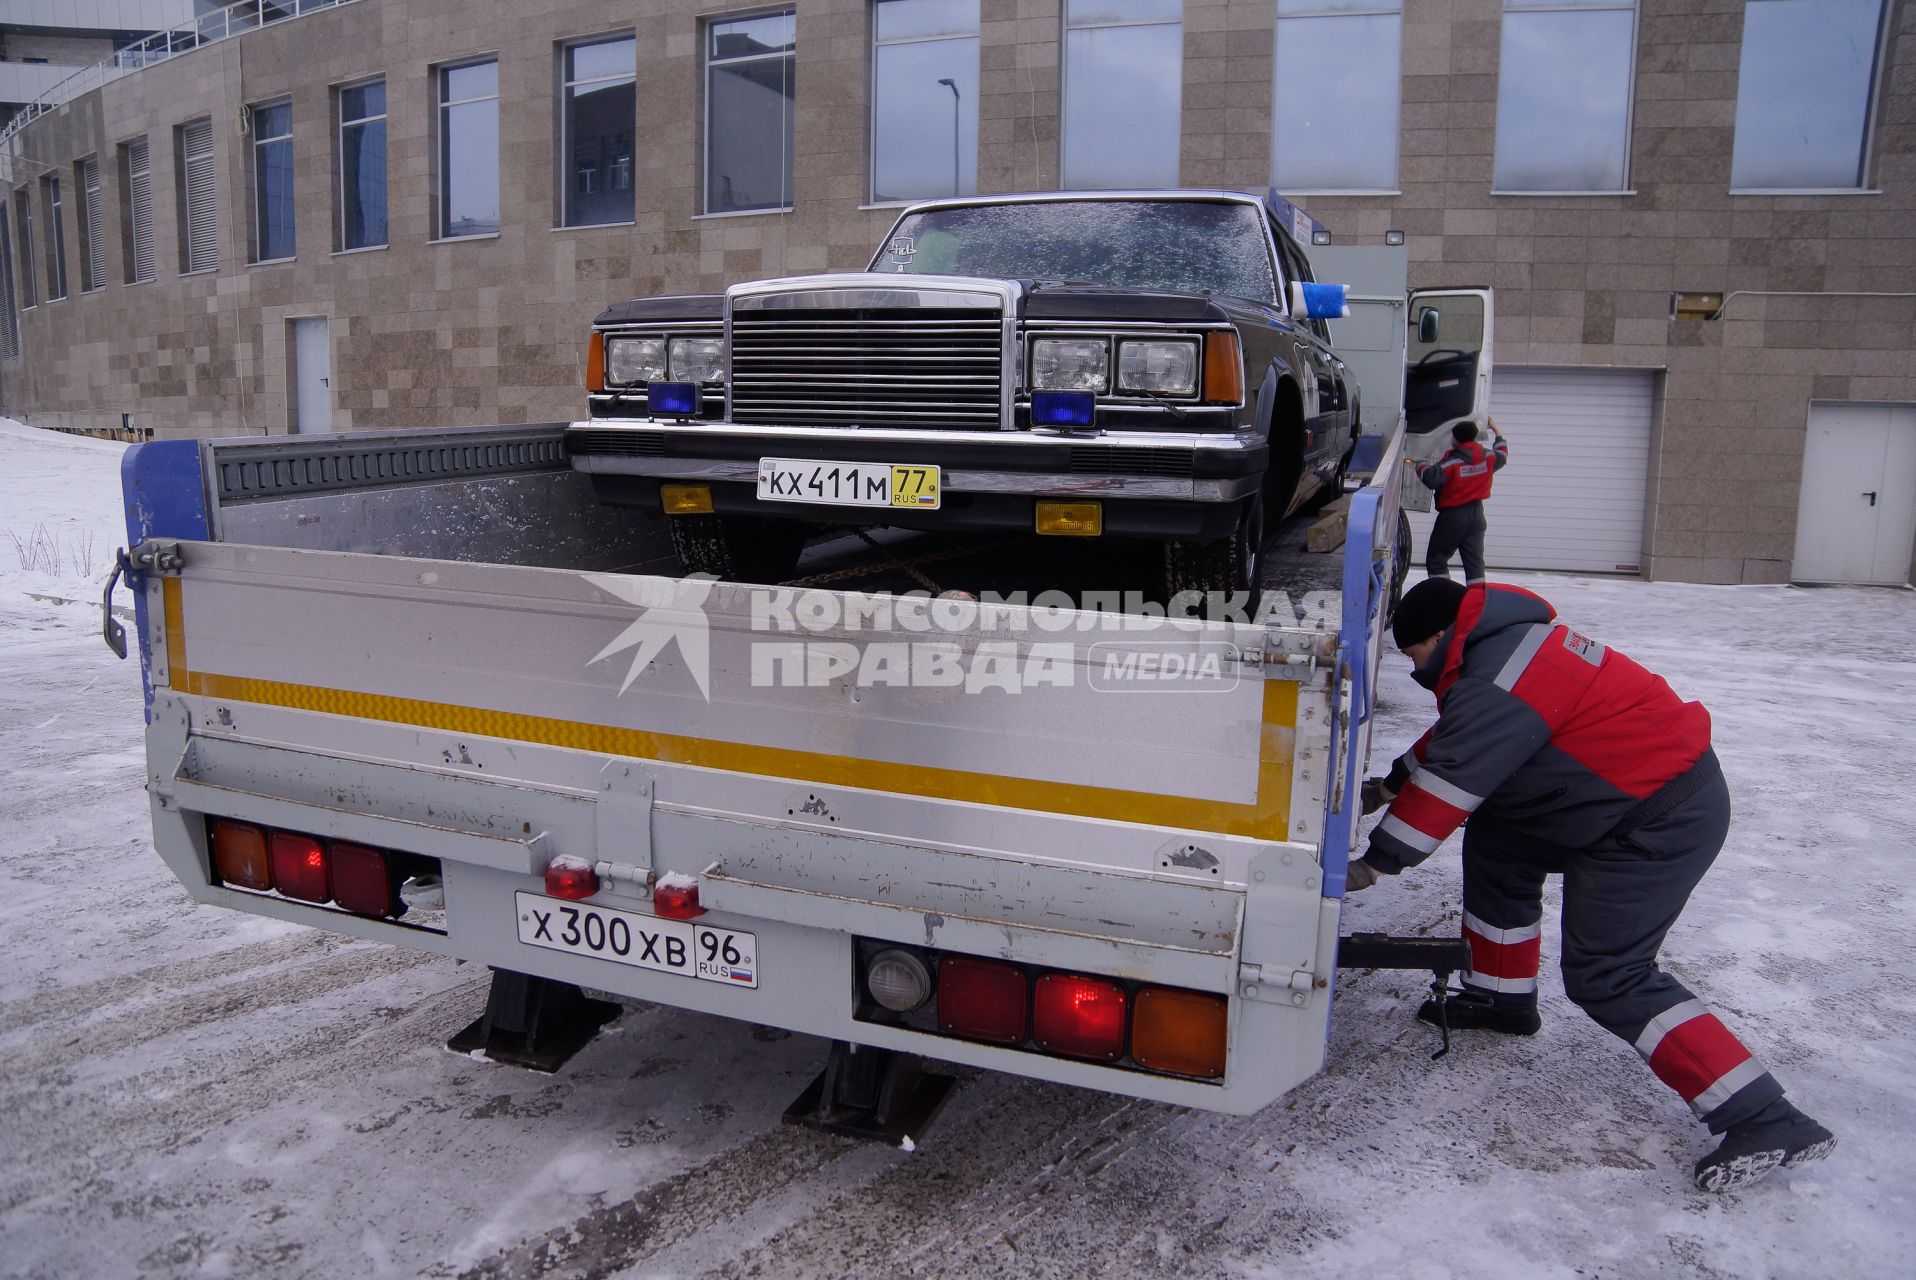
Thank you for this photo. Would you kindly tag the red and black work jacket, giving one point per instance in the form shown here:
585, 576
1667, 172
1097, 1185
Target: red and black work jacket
1552, 732
1463, 474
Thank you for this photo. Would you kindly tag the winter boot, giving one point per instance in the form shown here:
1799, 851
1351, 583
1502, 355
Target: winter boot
1779, 1136
1472, 1010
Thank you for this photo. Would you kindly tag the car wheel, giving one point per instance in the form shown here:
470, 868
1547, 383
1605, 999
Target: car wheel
737, 548
1401, 569
1229, 566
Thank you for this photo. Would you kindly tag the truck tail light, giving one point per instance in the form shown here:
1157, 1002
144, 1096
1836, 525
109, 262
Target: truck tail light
1078, 1017
595, 363
1223, 368
364, 880
571, 878
676, 898
1179, 1032
982, 999
898, 980
239, 855
299, 866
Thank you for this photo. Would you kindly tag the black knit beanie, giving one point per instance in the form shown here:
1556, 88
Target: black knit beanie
1426, 610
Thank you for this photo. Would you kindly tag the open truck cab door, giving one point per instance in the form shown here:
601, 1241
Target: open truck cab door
1449, 335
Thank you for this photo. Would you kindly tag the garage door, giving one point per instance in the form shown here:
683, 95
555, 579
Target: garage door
1572, 496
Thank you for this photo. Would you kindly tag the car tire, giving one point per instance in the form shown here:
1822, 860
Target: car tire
1401, 569
1230, 565
737, 548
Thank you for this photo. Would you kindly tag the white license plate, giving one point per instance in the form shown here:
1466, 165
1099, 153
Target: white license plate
849, 484
644, 942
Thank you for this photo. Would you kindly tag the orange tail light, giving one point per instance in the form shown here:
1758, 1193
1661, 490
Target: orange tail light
1180, 1032
595, 363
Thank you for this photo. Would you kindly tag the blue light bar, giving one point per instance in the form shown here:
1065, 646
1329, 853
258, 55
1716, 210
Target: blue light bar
679, 399
1062, 408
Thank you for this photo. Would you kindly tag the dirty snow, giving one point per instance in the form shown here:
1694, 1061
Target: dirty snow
189, 1091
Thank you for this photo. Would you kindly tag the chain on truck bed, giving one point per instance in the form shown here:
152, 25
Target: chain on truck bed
908, 565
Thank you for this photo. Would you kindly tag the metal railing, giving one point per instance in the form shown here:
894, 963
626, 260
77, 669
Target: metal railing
209, 28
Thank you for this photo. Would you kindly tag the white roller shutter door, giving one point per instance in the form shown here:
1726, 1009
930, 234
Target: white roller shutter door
1573, 494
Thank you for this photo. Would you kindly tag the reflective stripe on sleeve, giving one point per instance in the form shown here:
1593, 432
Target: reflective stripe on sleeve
1450, 793
1401, 831
1527, 648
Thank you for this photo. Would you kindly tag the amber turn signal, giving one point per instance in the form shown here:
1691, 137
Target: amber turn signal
1223, 368
1179, 1032
1070, 519
686, 499
595, 363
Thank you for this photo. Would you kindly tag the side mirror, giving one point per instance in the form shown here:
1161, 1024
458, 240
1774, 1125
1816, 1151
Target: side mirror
1319, 301
1427, 320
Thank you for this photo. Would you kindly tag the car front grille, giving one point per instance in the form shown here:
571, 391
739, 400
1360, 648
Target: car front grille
903, 367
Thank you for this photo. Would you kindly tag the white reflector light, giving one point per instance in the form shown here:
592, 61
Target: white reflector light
898, 980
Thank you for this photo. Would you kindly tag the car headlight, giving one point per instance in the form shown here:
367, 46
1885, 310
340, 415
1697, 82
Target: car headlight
698, 359
629, 360
1160, 368
1070, 364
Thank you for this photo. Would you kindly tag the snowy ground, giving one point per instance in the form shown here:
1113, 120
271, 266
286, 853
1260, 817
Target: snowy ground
188, 1091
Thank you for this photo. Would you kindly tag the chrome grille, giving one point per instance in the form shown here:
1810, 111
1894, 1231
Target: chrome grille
919, 367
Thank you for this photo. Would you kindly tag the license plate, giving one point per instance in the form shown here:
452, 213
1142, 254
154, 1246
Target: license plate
644, 942
849, 484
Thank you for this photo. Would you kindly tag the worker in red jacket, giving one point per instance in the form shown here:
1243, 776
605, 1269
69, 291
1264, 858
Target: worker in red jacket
1461, 479
1566, 758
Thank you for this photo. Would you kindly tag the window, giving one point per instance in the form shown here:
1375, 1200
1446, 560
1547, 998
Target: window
1338, 66
749, 66
924, 91
362, 165
9, 320
601, 115
92, 266
1563, 95
1804, 86
138, 229
1123, 92
199, 201
468, 150
23, 211
56, 238
273, 182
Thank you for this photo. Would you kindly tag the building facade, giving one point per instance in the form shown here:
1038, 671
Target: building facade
1699, 216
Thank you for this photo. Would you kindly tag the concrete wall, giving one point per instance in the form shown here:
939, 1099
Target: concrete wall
489, 330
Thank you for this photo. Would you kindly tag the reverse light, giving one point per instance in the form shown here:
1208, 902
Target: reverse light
1223, 368
571, 878
676, 897
1062, 408
1069, 519
1179, 1032
898, 980
686, 499
1078, 1017
299, 866
239, 855
678, 399
1158, 368
982, 999
630, 360
364, 881
1070, 364
697, 359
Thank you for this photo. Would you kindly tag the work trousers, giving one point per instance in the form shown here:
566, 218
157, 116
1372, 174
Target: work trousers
1620, 897
1458, 529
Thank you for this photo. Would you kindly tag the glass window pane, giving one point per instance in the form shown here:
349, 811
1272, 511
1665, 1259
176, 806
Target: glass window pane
597, 61
1803, 90
925, 139
918, 19
469, 164
362, 171
598, 162
271, 122
749, 129
1334, 111
1563, 101
1286, 8
1087, 12
362, 100
477, 81
1129, 138
773, 33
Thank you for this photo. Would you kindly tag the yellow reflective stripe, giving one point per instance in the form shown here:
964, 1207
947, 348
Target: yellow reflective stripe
1266, 818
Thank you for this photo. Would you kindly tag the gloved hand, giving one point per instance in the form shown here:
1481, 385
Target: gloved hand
1376, 795
1360, 875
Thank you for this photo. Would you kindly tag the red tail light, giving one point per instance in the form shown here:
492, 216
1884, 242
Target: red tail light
1078, 1017
676, 900
299, 866
363, 880
982, 999
570, 877
239, 855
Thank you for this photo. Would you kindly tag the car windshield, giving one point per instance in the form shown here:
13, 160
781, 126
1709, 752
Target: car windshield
1185, 246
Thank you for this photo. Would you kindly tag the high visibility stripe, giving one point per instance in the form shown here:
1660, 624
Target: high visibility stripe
1426, 813
1449, 792
1507, 986
1667, 1021
1527, 648
1267, 817
1502, 956
1727, 1085
1690, 1050
1514, 934
1398, 829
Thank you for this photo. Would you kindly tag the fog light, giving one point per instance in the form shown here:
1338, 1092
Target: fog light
239, 855
299, 866
680, 399
1062, 408
686, 499
1070, 519
982, 999
571, 878
1181, 1032
898, 980
364, 881
1078, 1017
676, 897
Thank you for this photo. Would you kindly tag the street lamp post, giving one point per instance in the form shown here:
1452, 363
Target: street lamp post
952, 85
